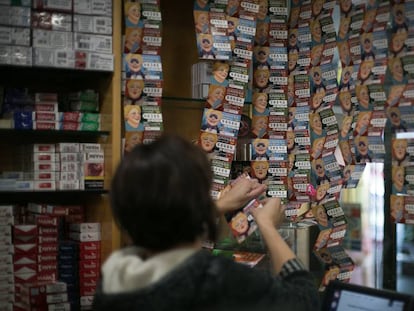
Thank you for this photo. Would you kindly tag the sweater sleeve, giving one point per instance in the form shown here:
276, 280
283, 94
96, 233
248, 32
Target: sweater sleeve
291, 266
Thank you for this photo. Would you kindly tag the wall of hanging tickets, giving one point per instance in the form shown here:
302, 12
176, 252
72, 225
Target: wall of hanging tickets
287, 148
303, 150
142, 72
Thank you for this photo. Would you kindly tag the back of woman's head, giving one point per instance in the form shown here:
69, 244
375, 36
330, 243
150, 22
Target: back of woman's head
161, 194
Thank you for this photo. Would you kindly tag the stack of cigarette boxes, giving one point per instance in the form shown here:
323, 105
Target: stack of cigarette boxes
60, 166
41, 296
15, 48
47, 258
57, 33
79, 262
76, 111
7, 288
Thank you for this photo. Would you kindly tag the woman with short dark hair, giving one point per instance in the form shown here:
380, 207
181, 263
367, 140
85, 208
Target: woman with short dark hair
161, 197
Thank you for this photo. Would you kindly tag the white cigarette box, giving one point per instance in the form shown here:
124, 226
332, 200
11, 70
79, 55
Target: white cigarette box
52, 39
90, 147
93, 7
24, 185
59, 58
14, 36
68, 185
68, 147
45, 156
92, 24
45, 125
85, 236
6, 210
99, 61
71, 167
21, 55
39, 166
43, 147
69, 156
15, 16
53, 5
46, 106
44, 175
43, 185
93, 43
71, 176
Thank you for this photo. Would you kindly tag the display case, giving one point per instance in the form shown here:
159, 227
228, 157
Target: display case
62, 80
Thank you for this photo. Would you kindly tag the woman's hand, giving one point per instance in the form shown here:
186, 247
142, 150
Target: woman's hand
239, 194
271, 214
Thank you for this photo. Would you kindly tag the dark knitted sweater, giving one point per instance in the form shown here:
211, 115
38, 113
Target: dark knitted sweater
207, 282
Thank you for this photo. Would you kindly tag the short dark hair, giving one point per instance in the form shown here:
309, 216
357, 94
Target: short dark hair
160, 194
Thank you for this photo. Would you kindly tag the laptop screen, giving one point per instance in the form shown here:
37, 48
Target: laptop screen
341, 296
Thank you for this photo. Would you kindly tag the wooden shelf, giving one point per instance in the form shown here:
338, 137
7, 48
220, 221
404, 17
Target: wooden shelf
44, 136
50, 197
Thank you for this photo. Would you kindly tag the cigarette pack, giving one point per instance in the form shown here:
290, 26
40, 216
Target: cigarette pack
92, 24
52, 39
93, 7
25, 249
90, 246
90, 147
51, 21
84, 106
28, 230
93, 165
47, 248
86, 227
46, 106
80, 126
93, 61
6, 240
53, 5
21, 55
85, 236
45, 175
70, 176
67, 147
25, 275
15, 16
45, 156
93, 43
46, 125
44, 148
47, 166
69, 185
44, 185
46, 97
47, 239
59, 58
15, 36
6, 210
45, 116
